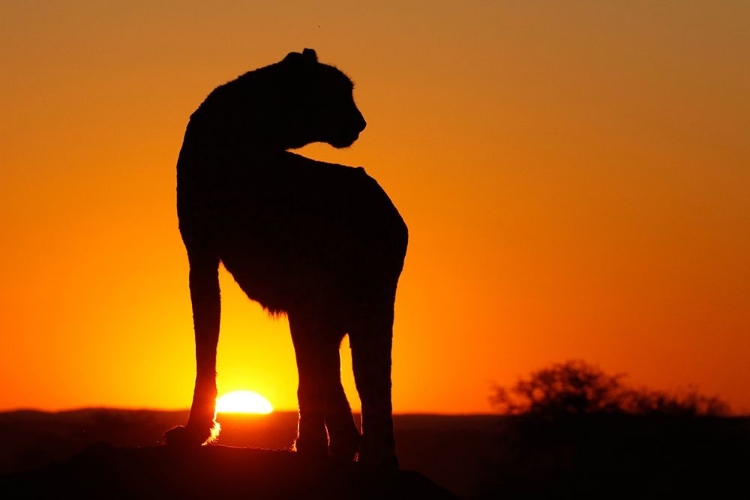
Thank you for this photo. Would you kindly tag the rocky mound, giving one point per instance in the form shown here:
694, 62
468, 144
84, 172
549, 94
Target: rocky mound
216, 472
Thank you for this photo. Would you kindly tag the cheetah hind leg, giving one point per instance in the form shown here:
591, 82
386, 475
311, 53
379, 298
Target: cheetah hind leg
371, 344
326, 425
343, 435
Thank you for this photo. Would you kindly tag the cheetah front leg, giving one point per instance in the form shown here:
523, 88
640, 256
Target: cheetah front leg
206, 302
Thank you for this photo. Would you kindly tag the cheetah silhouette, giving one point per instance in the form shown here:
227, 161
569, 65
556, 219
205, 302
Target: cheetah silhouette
320, 242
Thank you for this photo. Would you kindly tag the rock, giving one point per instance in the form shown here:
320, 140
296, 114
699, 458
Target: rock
215, 472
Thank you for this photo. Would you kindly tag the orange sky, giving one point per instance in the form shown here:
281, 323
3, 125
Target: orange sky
575, 178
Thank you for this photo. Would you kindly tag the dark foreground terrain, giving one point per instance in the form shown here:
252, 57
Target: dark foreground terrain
115, 454
213, 472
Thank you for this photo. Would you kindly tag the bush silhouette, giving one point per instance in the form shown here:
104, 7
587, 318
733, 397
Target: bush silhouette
577, 388
573, 431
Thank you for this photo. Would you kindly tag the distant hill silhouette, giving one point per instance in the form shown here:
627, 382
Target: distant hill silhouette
215, 472
474, 456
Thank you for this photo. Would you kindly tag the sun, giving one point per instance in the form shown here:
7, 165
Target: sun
243, 402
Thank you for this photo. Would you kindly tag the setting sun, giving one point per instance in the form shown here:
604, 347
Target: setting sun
243, 402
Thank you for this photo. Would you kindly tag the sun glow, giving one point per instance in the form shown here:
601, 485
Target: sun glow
243, 402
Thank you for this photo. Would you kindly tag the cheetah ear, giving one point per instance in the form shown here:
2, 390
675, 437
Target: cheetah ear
310, 54
308, 57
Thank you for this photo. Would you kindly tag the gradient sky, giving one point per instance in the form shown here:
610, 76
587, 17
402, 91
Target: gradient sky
575, 177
